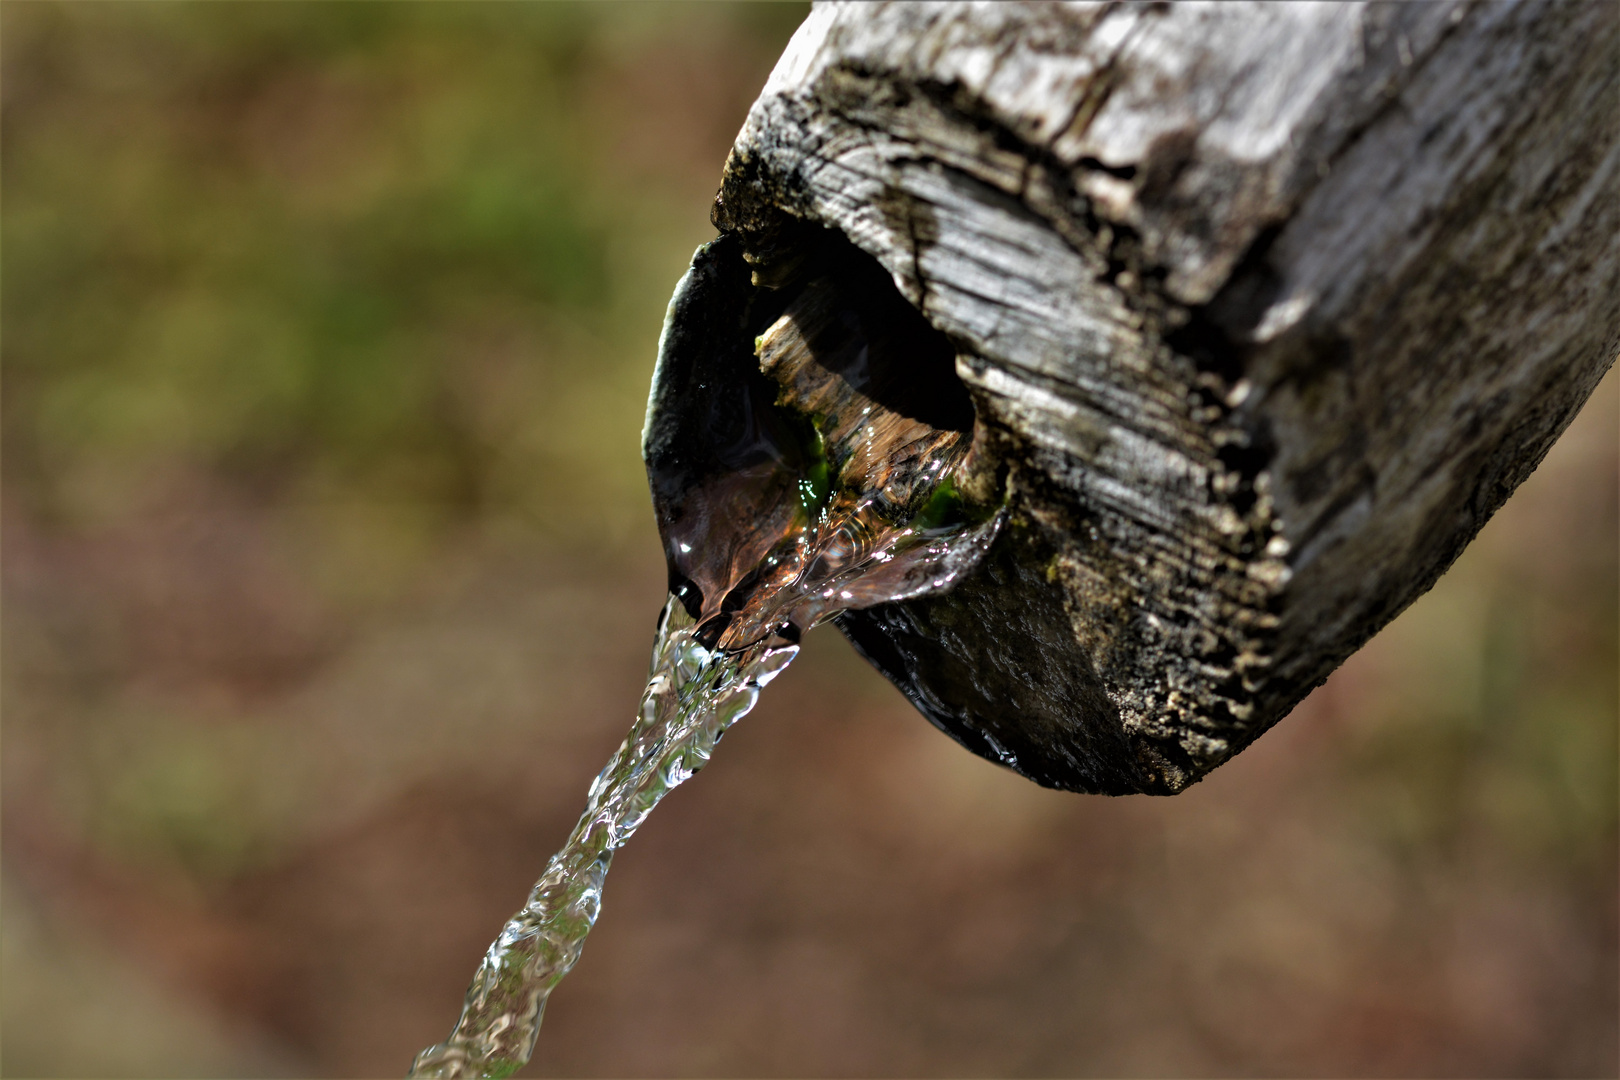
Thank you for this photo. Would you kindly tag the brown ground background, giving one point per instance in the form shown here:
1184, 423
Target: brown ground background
329, 576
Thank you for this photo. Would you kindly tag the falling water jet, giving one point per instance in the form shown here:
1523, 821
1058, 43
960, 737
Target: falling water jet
835, 499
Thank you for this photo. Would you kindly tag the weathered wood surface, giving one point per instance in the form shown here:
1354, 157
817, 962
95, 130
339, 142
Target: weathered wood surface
1264, 309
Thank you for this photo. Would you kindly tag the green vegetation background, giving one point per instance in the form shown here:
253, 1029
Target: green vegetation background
402, 257
329, 570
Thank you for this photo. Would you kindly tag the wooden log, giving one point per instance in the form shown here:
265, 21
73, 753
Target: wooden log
1263, 310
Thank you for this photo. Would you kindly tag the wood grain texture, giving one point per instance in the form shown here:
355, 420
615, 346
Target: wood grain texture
1263, 308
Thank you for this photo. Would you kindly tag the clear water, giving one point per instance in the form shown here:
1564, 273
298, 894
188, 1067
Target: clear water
878, 528
693, 695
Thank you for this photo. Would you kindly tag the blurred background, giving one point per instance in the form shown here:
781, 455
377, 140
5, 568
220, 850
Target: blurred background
330, 575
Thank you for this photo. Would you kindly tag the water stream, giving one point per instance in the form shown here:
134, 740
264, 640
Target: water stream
693, 695
878, 519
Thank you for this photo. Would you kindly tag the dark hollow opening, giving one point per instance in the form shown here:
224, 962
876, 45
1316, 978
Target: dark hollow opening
890, 352
721, 454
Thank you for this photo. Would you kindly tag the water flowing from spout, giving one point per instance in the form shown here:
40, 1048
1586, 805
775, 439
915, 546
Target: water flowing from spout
693, 695
882, 523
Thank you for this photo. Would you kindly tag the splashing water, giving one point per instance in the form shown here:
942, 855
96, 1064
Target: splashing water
883, 525
692, 697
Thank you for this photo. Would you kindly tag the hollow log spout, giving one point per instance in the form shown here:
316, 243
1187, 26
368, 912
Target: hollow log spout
1255, 313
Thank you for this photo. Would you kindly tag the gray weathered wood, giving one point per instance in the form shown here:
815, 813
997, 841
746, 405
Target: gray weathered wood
1263, 308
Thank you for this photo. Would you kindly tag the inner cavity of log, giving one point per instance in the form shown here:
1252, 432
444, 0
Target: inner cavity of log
870, 426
